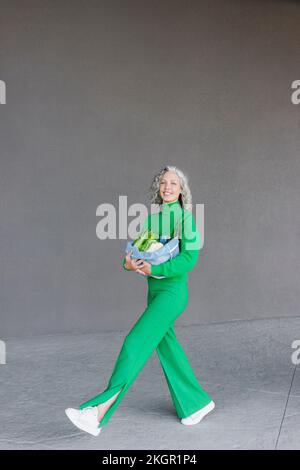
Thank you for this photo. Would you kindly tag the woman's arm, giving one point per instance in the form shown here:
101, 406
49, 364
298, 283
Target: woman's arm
190, 245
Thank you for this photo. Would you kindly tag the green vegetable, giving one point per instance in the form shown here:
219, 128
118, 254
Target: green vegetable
139, 241
145, 239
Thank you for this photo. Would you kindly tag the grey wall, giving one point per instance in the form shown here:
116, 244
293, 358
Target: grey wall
101, 94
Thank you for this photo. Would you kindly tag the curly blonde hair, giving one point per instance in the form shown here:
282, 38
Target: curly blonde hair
185, 197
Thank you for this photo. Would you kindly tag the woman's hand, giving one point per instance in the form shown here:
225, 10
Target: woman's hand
144, 267
139, 265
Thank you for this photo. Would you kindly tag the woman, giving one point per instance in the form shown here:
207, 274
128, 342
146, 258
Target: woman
154, 330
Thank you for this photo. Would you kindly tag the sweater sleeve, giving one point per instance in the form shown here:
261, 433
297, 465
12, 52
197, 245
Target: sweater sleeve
145, 225
190, 245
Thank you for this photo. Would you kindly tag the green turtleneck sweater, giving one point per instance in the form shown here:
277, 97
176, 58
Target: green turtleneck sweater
173, 220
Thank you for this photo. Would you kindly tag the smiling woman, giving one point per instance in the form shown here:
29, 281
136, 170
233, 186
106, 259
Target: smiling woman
169, 187
167, 298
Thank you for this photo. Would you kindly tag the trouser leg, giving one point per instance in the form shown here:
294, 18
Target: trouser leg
187, 394
139, 344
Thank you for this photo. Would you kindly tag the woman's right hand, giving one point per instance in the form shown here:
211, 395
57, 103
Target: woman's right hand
133, 264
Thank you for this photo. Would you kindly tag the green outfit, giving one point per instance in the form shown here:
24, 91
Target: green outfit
154, 330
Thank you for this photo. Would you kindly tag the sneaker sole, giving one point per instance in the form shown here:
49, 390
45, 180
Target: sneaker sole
200, 415
81, 426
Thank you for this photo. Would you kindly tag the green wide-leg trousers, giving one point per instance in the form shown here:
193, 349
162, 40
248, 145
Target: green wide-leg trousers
154, 330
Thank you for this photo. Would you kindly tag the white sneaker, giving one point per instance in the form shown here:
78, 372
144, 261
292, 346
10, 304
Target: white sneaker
198, 415
85, 419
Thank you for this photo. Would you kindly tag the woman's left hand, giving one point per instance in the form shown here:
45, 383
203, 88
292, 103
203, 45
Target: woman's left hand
144, 268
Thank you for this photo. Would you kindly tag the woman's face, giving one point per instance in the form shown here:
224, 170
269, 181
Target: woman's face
169, 187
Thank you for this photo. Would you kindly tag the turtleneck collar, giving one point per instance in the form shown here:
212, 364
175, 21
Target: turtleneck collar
166, 205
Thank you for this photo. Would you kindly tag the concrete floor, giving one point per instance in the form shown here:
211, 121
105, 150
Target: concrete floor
246, 367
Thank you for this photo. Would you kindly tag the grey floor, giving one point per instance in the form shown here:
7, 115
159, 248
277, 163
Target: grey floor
246, 367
